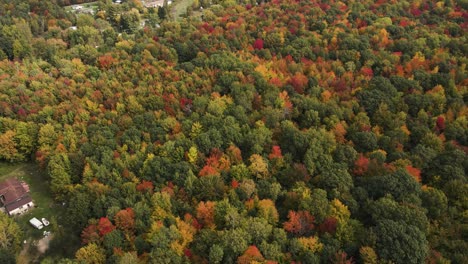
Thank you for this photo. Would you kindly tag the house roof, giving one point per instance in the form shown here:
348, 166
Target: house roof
14, 192
25, 200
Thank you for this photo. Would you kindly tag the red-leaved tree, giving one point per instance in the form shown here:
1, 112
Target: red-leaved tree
145, 186
258, 44
89, 235
251, 255
361, 165
105, 226
328, 225
299, 223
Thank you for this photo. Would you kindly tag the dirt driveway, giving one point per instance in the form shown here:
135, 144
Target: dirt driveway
30, 254
43, 244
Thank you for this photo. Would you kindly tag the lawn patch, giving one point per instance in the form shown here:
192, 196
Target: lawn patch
45, 206
7, 168
179, 8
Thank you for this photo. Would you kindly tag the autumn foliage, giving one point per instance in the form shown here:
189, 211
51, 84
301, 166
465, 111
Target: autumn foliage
275, 153
258, 44
287, 130
90, 234
252, 254
205, 213
299, 223
329, 225
361, 165
415, 172
145, 186
125, 219
440, 124
105, 226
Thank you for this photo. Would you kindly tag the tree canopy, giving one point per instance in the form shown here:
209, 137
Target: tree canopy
243, 131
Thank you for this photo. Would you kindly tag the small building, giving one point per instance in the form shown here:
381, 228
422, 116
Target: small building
85, 10
36, 223
153, 3
14, 197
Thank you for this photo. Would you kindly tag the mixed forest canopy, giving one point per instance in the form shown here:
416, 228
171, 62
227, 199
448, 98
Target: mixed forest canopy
255, 132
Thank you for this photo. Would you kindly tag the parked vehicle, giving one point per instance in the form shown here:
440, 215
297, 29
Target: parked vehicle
36, 223
46, 223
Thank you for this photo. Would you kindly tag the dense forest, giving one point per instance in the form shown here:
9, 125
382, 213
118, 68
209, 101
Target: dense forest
273, 132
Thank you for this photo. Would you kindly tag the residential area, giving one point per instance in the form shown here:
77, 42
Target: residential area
25, 198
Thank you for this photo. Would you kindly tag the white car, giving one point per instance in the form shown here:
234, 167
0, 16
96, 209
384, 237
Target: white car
46, 223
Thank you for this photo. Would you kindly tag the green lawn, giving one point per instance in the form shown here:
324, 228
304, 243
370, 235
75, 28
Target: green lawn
45, 205
179, 7
40, 193
7, 168
92, 5
42, 198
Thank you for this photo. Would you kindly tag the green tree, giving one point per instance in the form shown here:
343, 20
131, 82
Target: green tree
380, 90
335, 178
401, 243
401, 185
129, 258
16, 39
321, 145
78, 209
130, 21
435, 202
216, 254
387, 208
10, 235
59, 171
7, 257
8, 148
209, 188
317, 204
234, 243
26, 138
47, 137
113, 240
91, 254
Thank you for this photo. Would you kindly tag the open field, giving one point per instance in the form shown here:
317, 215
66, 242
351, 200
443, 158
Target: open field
7, 168
179, 8
90, 5
41, 195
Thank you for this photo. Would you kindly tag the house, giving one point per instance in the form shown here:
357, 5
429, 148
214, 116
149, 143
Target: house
85, 10
153, 3
14, 197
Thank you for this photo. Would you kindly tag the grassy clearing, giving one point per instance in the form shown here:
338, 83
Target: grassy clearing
92, 5
179, 8
45, 207
7, 168
40, 193
42, 198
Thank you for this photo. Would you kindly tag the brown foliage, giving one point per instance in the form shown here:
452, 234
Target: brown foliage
205, 213
125, 220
